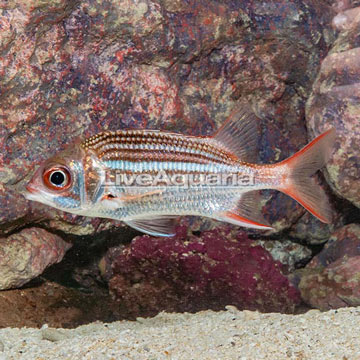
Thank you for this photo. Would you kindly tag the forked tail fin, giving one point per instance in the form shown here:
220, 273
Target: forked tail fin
300, 167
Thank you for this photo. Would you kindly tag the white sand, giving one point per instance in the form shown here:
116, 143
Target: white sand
209, 335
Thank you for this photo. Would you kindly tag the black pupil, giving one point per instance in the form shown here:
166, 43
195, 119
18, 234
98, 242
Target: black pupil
57, 178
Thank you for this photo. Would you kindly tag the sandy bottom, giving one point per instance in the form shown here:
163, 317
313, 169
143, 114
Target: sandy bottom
230, 334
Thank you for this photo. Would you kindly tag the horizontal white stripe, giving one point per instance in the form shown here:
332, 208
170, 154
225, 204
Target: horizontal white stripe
140, 166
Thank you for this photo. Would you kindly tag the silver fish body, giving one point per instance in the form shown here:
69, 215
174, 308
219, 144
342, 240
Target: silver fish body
148, 178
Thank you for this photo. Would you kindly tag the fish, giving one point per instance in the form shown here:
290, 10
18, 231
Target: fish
150, 178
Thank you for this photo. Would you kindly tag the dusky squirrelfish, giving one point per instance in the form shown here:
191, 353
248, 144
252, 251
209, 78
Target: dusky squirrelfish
149, 178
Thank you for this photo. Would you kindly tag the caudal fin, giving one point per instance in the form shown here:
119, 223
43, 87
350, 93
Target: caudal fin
301, 166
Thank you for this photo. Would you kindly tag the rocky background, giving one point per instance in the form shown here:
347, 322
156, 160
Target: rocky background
72, 68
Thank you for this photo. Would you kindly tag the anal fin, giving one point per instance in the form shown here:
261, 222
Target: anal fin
247, 213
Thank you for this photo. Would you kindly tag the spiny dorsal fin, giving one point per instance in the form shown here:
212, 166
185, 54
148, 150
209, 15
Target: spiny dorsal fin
239, 134
159, 226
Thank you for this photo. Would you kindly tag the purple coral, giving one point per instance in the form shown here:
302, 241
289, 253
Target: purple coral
190, 273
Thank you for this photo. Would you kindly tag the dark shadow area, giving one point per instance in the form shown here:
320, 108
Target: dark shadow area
67, 294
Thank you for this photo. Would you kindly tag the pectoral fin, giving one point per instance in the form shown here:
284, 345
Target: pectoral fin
129, 197
159, 226
114, 202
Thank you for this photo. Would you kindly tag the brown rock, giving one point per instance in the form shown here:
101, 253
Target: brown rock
73, 68
333, 287
52, 304
335, 103
343, 243
25, 255
332, 278
310, 230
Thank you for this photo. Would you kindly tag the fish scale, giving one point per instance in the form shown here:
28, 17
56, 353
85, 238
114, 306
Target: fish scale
188, 202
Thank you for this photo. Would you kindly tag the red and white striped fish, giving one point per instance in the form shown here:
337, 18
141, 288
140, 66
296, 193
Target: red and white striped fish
149, 178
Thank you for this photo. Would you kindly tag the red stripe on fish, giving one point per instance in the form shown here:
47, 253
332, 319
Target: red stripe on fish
131, 145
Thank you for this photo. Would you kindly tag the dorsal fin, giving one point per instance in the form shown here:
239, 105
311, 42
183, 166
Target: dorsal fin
239, 133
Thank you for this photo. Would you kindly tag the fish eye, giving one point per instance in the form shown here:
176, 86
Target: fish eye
57, 178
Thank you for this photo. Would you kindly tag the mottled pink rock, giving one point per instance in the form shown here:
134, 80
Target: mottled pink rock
343, 243
332, 278
14, 208
26, 254
72, 68
308, 229
335, 286
343, 5
190, 273
335, 103
345, 20
290, 254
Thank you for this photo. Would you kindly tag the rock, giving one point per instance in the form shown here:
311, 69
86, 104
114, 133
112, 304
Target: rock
55, 305
74, 68
347, 12
26, 254
288, 253
343, 5
191, 273
334, 102
311, 231
70, 69
332, 278
345, 20
333, 287
53, 335
343, 243
14, 209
